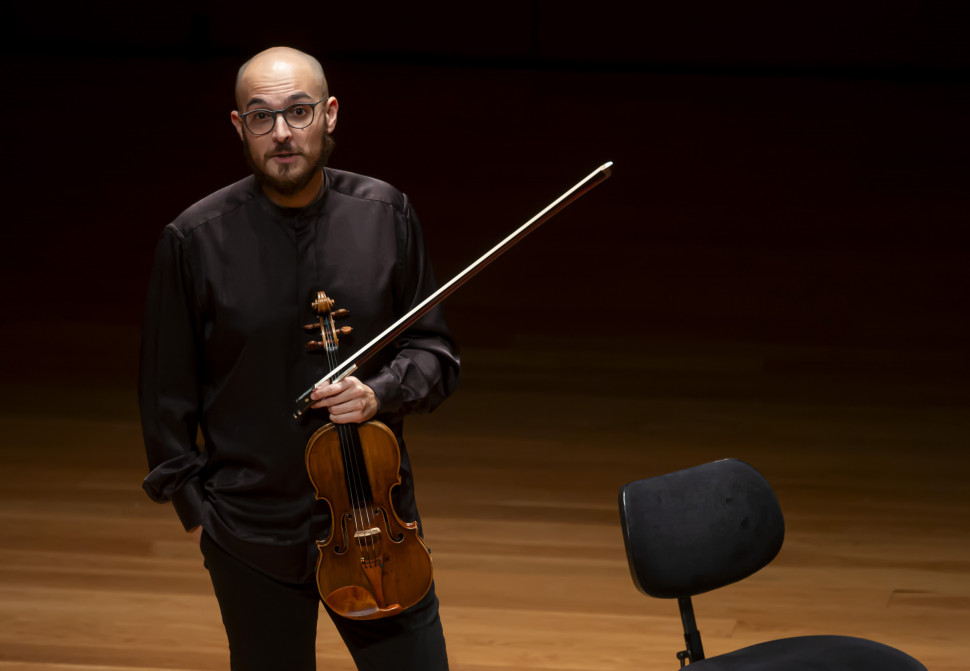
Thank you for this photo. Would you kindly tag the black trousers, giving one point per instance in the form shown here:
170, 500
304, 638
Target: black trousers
272, 626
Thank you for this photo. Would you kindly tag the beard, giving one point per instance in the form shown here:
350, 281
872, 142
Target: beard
291, 179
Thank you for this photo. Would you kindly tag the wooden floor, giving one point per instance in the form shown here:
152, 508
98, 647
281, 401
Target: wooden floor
517, 480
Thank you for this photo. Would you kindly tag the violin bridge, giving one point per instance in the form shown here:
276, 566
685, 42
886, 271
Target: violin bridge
367, 534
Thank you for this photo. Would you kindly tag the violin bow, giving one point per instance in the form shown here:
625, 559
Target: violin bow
593, 179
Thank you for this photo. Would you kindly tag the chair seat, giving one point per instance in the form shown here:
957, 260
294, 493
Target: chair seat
812, 653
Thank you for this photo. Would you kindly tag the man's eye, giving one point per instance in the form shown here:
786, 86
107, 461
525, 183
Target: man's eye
260, 116
298, 111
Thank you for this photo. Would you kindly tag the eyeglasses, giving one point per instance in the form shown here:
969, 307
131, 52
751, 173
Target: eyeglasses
261, 122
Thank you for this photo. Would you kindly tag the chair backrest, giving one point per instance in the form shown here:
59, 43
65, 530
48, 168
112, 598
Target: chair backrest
698, 529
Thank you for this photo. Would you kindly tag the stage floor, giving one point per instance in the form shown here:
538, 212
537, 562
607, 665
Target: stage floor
517, 478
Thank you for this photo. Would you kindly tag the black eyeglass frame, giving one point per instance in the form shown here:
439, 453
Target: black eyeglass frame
276, 113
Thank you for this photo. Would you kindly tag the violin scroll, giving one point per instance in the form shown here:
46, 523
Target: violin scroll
322, 304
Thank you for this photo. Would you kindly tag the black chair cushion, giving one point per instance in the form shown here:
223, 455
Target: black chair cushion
698, 529
812, 653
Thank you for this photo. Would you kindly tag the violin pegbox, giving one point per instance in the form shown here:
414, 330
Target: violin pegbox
323, 306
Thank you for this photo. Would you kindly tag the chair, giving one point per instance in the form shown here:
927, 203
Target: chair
705, 527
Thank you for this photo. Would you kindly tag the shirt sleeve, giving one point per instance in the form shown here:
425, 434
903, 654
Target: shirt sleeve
425, 366
168, 387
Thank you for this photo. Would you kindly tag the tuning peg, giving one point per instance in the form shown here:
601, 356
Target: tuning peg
344, 330
311, 328
314, 345
342, 312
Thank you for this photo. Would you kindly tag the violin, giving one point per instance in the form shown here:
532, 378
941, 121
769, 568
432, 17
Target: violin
373, 564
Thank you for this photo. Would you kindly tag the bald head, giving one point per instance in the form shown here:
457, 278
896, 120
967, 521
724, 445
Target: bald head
280, 66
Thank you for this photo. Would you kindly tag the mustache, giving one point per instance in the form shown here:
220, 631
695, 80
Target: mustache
283, 149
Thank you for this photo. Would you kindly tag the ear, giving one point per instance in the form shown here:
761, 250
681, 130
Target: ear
330, 112
238, 123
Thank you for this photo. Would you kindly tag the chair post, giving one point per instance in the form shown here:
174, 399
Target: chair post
692, 637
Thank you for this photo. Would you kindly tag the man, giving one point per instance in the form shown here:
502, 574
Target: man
223, 352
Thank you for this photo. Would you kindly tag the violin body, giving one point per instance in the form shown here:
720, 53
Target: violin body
373, 564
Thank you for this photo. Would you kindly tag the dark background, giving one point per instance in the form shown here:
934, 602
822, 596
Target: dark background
777, 271
790, 176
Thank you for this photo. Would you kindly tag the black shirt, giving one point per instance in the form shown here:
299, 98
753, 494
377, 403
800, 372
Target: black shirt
223, 350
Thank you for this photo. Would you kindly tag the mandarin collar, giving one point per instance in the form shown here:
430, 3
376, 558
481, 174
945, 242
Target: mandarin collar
293, 214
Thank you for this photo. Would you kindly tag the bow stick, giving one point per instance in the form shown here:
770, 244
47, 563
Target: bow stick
398, 327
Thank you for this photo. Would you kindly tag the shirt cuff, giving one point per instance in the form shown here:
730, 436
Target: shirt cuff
387, 389
188, 503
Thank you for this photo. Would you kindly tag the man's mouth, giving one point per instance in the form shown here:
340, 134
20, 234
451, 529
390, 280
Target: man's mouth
284, 156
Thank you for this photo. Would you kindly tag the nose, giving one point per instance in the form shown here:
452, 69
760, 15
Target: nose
281, 130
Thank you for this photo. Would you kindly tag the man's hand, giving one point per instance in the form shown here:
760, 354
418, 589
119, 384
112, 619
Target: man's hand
349, 401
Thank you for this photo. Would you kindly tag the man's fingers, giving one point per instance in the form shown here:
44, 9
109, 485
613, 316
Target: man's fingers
348, 401
327, 391
348, 418
352, 407
334, 401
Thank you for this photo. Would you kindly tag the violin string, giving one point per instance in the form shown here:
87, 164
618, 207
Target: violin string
357, 451
350, 448
342, 434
